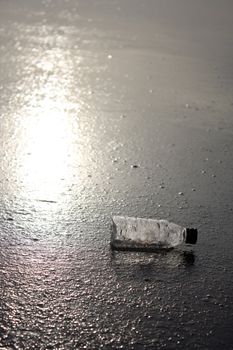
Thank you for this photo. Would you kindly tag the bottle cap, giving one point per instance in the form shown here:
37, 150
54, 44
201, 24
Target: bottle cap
191, 235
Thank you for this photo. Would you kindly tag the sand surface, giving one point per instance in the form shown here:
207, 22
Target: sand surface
115, 108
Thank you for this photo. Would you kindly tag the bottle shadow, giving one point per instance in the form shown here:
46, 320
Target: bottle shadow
150, 266
188, 258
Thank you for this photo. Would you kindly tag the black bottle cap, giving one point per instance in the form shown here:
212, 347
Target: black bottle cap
191, 235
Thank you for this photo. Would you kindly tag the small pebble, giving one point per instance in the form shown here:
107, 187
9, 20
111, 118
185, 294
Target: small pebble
40, 304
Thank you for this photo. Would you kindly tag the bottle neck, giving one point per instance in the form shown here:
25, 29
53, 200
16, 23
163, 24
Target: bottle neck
190, 235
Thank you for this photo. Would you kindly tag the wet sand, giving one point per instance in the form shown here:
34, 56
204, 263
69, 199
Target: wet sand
125, 108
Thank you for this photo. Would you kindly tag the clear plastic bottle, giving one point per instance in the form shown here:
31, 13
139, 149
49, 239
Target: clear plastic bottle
129, 233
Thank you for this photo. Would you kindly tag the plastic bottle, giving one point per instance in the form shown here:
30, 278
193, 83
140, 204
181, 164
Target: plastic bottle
129, 233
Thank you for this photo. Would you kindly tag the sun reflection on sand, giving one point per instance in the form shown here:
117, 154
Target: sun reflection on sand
45, 164
49, 129
48, 140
